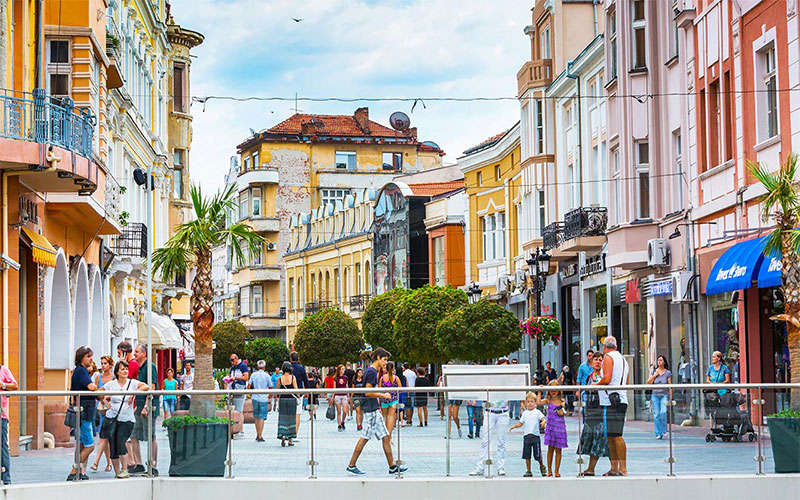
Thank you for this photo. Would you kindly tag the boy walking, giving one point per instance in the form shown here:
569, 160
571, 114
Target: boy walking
532, 421
374, 426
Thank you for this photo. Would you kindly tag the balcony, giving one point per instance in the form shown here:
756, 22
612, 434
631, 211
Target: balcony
257, 176
260, 321
584, 229
265, 224
534, 74
552, 235
132, 241
359, 302
315, 307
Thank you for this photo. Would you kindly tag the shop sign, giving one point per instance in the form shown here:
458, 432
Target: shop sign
569, 271
663, 287
618, 294
632, 293
593, 265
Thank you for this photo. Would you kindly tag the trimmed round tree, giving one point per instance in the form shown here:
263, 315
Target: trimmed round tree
418, 315
377, 322
328, 338
479, 331
229, 337
273, 351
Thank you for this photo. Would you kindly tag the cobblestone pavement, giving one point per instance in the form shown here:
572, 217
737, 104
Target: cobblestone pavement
424, 451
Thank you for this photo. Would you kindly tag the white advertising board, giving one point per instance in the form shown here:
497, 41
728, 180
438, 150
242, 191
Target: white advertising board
497, 376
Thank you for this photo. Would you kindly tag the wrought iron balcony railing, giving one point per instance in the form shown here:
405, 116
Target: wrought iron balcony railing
315, 307
38, 117
552, 235
359, 302
132, 241
585, 221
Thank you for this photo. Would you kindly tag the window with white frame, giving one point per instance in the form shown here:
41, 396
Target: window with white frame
611, 24
244, 301
59, 68
544, 43
574, 185
487, 231
616, 210
332, 195
639, 28
256, 164
291, 294
246, 163
256, 203
520, 229
258, 300
179, 93
539, 126
438, 261
358, 278
677, 170
244, 205
500, 234
540, 210
642, 180
498, 173
346, 160
767, 84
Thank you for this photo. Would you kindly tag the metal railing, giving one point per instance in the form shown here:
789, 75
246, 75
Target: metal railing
45, 119
132, 241
359, 302
315, 307
755, 394
585, 221
552, 235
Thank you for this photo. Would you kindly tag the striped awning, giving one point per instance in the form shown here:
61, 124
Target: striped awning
43, 251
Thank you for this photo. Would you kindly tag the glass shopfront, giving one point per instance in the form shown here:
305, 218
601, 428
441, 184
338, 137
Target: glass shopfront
724, 330
598, 314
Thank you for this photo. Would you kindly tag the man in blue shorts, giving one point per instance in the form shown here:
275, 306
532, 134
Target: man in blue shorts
260, 380
374, 426
82, 381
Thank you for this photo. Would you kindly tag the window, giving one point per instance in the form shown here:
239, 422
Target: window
642, 180
677, 170
520, 230
358, 278
612, 43
178, 94
256, 257
256, 165
336, 285
770, 88
675, 10
244, 301
544, 43
258, 300
177, 157
332, 196
438, 261
246, 163
487, 229
256, 195
539, 127
574, 185
617, 186
59, 68
393, 161
639, 56
344, 285
291, 293
346, 160
540, 209
244, 205
497, 172
177, 182
500, 234
480, 179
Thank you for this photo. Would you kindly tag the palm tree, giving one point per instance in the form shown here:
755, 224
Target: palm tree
781, 203
191, 246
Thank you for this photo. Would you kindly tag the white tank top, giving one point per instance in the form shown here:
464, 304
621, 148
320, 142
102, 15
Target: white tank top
619, 376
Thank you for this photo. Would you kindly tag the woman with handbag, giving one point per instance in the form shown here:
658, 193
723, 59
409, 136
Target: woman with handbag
106, 375
119, 418
287, 406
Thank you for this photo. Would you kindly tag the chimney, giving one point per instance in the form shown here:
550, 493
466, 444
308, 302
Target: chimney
362, 119
412, 132
308, 128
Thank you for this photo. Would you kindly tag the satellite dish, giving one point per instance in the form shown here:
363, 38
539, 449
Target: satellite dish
399, 121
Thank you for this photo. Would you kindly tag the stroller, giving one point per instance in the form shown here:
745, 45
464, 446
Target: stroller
728, 422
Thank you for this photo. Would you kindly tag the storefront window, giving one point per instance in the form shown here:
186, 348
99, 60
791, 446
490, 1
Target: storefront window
724, 325
598, 312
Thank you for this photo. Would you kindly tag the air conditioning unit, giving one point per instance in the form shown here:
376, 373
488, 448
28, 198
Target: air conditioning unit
683, 287
272, 245
519, 278
657, 253
503, 283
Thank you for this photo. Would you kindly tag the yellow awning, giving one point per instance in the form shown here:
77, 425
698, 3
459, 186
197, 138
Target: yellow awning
43, 251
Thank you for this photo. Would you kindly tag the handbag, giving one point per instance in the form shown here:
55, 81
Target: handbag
70, 418
330, 414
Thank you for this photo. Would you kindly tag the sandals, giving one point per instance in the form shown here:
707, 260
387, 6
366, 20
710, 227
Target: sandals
109, 468
93, 467
586, 474
613, 474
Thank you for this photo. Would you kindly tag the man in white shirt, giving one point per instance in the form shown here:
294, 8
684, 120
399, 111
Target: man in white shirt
411, 380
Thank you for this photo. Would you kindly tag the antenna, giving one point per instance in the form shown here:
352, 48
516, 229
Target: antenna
295, 108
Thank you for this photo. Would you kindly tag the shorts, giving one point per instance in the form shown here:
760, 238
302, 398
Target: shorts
389, 404
455, 402
409, 402
238, 403
531, 447
260, 409
614, 418
373, 426
340, 400
140, 428
117, 438
169, 405
87, 433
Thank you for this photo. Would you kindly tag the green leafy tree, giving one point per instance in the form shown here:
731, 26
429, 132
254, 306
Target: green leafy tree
328, 338
190, 246
479, 331
378, 320
230, 338
418, 315
273, 351
781, 204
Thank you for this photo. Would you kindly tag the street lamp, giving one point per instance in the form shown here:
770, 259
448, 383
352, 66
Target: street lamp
473, 293
539, 264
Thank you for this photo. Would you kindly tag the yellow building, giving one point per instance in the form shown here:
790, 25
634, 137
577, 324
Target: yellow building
302, 164
329, 260
493, 180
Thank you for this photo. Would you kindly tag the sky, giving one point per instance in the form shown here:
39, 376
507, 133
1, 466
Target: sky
349, 48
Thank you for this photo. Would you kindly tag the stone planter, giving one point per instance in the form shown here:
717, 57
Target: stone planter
248, 411
198, 450
54, 414
784, 433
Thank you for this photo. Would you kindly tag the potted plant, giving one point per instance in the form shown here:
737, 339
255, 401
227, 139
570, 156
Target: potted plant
190, 247
544, 328
198, 446
784, 433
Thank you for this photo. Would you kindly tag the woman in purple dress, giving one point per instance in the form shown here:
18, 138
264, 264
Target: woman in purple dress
555, 432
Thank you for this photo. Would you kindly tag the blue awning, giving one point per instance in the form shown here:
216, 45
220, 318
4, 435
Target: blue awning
737, 267
770, 272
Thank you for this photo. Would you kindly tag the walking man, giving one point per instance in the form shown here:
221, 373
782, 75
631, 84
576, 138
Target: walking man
239, 374
82, 381
9, 383
125, 353
299, 372
496, 429
374, 426
615, 405
141, 430
260, 380
411, 381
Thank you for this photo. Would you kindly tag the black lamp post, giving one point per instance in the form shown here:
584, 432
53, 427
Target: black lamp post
473, 293
539, 264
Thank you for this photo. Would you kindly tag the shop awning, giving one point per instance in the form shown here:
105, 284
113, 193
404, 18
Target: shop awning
165, 332
770, 272
43, 252
737, 267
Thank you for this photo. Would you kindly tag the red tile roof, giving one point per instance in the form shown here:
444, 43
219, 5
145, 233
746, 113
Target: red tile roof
487, 142
341, 125
436, 188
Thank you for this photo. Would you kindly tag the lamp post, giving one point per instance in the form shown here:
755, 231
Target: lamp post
473, 293
539, 264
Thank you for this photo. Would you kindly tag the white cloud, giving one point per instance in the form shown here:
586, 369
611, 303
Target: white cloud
392, 48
